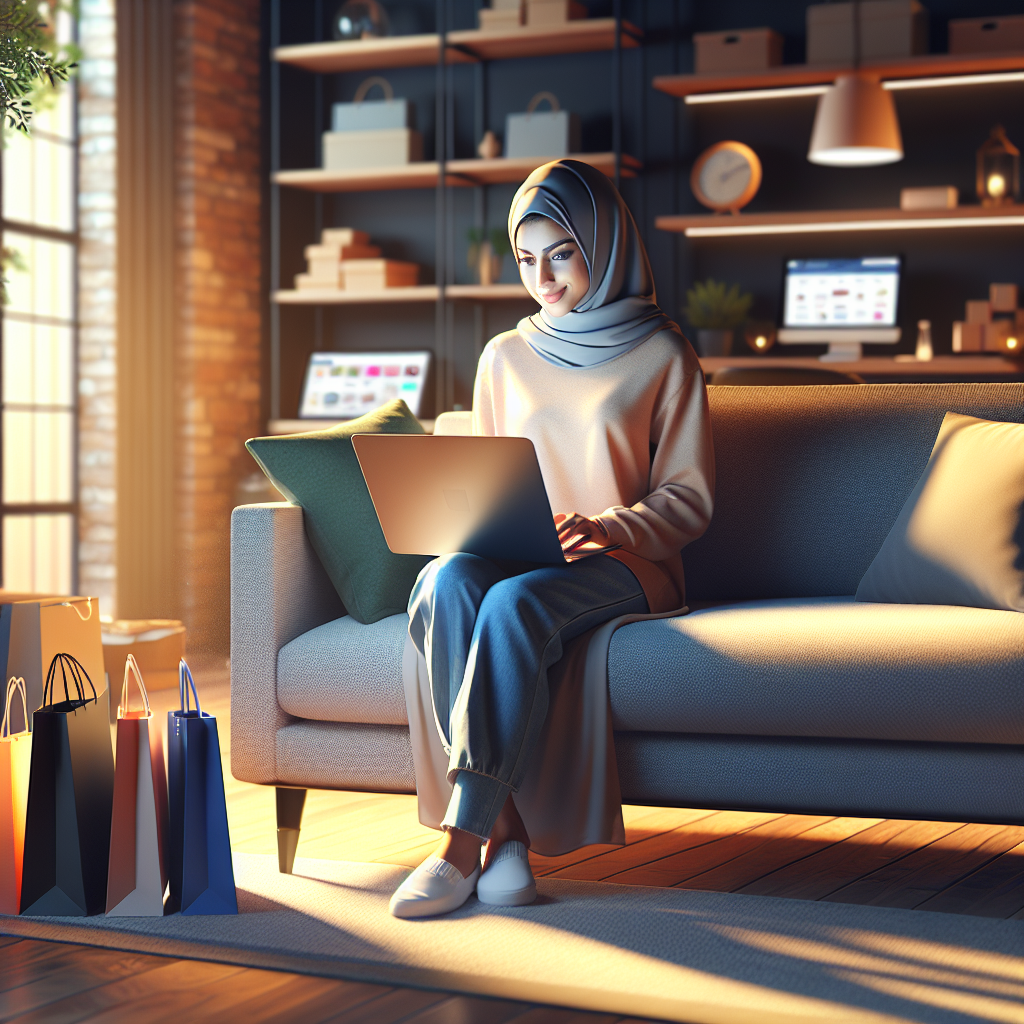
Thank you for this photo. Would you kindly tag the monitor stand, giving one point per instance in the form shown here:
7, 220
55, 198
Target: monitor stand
844, 343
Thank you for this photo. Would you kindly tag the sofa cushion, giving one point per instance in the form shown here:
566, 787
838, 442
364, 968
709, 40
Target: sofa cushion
318, 470
960, 536
343, 671
824, 667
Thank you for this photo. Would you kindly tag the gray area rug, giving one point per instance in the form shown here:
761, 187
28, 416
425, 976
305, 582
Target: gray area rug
677, 954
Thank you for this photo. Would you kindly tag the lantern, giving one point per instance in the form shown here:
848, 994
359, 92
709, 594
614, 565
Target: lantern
998, 170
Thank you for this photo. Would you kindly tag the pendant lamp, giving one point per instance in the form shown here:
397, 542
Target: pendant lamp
855, 125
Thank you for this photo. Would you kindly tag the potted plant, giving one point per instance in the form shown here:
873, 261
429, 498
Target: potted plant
716, 311
486, 251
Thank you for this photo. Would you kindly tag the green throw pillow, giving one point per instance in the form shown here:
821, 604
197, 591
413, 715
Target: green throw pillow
319, 471
960, 536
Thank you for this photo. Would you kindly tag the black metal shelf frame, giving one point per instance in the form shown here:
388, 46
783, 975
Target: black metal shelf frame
444, 208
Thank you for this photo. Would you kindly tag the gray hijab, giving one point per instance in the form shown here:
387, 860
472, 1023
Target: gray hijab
619, 310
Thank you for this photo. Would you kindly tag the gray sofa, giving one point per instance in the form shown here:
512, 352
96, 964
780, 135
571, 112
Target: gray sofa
778, 691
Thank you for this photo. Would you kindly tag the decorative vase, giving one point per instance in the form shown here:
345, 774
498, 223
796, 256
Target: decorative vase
488, 267
714, 342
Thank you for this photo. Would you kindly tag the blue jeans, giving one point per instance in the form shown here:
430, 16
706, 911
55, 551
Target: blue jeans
489, 632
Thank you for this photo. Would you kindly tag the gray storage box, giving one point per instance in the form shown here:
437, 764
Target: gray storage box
888, 28
363, 115
553, 133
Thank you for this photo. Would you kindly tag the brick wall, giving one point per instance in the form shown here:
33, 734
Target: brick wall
219, 289
97, 305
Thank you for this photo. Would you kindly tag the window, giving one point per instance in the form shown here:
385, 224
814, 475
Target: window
38, 433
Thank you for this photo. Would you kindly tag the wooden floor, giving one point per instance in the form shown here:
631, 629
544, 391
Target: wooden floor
959, 868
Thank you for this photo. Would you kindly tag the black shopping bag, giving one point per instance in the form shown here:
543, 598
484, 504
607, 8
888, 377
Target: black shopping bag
70, 794
199, 851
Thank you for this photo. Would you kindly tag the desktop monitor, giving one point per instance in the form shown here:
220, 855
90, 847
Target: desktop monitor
844, 302
343, 385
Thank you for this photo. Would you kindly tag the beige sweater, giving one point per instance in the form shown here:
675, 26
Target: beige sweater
627, 442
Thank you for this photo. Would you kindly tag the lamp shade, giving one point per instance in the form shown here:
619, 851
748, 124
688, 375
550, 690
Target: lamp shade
855, 125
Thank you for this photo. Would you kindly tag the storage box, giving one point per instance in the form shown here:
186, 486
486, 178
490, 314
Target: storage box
1003, 297
986, 35
748, 49
888, 28
545, 13
998, 334
968, 337
940, 197
374, 275
978, 311
499, 20
346, 151
311, 283
372, 115
343, 236
552, 133
355, 251
157, 644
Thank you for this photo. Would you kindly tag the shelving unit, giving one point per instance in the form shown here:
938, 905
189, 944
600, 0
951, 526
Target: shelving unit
812, 221
425, 174
927, 71
420, 293
468, 47
442, 50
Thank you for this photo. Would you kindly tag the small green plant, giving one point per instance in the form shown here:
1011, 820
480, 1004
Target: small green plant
477, 236
29, 60
710, 305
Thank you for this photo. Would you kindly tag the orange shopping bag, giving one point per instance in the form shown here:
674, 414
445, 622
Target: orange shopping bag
137, 872
15, 760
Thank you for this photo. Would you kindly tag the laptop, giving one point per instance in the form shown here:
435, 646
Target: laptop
481, 495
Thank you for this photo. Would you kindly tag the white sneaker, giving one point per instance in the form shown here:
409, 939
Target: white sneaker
435, 887
508, 882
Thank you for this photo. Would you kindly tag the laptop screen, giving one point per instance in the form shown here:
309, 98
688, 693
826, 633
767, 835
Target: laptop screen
343, 385
842, 292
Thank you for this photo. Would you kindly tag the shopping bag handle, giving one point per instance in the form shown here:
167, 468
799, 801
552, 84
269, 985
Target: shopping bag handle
185, 673
132, 666
14, 685
72, 604
68, 664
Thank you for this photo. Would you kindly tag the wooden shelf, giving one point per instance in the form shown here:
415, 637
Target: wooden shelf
880, 366
420, 293
459, 173
810, 221
583, 36
939, 65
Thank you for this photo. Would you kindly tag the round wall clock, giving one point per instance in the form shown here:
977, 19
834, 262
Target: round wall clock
726, 176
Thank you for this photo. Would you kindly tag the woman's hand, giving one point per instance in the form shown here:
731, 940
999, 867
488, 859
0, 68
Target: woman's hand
576, 531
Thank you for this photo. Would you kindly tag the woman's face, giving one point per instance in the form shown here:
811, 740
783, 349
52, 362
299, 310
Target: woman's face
551, 266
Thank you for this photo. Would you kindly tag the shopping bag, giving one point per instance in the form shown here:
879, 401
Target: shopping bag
40, 628
199, 850
137, 875
15, 753
70, 793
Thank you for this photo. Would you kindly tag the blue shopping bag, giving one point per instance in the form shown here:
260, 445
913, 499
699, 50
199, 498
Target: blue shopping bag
199, 853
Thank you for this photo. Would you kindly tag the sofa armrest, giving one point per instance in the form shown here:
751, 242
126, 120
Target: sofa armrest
450, 424
279, 590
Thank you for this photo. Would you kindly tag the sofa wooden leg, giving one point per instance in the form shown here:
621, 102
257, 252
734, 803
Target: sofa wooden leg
290, 803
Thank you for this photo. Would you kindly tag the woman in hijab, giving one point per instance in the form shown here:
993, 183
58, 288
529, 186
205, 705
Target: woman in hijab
613, 398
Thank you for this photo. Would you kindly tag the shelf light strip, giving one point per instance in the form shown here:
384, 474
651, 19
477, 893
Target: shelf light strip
854, 225
895, 85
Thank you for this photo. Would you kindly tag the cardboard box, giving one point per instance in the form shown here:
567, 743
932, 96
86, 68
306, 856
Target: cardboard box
375, 275
979, 311
986, 35
888, 28
499, 20
542, 13
347, 151
355, 251
1003, 298
157, 644
939, 197
968, 337
372, 115
551, 133
998, 336
344, 236
749, 49
309, 283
